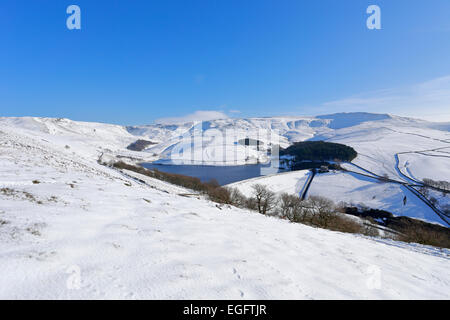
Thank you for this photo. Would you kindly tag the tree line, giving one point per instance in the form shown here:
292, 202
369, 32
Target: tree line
319, 151
314, 211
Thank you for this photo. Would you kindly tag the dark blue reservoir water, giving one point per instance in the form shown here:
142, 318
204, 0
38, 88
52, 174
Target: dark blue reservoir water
223, 174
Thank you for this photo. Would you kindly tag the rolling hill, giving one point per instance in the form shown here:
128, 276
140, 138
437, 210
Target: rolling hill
71, 228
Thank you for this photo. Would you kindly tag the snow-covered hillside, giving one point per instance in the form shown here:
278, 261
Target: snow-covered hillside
71, 228
403, 149
377, 138
349, 188
88, 140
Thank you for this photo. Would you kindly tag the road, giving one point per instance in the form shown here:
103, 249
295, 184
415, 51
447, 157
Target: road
410, 186
305, 189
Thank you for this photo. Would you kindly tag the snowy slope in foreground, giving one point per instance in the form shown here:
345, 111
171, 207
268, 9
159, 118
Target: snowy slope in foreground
122, 239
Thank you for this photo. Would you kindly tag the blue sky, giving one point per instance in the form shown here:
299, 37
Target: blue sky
136, 61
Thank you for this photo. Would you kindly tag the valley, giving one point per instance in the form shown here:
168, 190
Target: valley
73, 226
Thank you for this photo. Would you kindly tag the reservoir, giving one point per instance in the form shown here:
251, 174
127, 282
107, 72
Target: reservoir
223, 174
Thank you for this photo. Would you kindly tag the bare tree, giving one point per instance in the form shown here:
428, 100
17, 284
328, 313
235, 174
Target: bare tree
237, 198
323, 209
264, 198
443, 185
292, 207
285, 206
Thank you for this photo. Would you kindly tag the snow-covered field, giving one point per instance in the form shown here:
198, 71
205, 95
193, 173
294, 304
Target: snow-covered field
417, 165
378, 143
353, 189
71, 228
289, 182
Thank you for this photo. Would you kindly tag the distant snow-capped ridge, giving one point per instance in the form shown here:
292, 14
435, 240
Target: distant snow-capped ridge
292, 127
222, 135
334, 121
